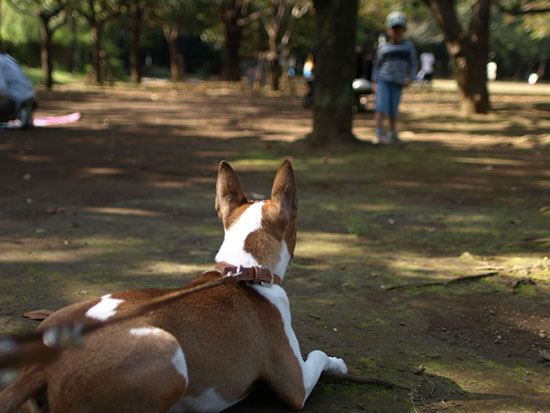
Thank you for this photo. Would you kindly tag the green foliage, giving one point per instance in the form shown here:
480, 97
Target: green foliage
101, 10
422, 29
173, 13
16, 28
519, 43
61, 77
20, 35
515, 49
303, 39
537, 25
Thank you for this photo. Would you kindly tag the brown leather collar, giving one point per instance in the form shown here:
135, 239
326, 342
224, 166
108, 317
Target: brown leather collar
253, 275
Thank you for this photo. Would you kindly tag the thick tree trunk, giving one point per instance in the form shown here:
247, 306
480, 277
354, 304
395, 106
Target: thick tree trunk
469, 68
468, 51
334, 66
46, 53
231, 63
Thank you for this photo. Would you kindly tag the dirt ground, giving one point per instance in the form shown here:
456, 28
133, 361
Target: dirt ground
124, 199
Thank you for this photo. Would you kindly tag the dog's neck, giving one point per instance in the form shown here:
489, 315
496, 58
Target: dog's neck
237, 249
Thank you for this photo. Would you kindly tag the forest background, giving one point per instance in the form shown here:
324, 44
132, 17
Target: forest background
176, 39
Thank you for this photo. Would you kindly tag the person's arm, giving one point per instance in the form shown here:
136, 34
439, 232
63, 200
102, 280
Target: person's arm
378, 58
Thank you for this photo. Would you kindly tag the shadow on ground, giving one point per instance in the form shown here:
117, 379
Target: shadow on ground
124, 199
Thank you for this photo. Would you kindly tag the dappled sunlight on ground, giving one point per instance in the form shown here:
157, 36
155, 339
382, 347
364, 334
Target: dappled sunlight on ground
29, 254
326, 246
124, 199
125, 211
169, 268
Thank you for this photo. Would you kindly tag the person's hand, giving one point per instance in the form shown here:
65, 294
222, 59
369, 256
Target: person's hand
407, 82
373, 84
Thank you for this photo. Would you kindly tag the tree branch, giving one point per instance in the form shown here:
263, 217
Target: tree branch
519, 9
444, 283
243, 21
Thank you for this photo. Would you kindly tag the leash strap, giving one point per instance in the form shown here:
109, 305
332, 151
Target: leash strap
44, 346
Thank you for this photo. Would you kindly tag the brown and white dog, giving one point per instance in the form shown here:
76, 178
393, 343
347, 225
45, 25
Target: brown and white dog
200, 353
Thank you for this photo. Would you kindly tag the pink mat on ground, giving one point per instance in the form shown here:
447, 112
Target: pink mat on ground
56, 120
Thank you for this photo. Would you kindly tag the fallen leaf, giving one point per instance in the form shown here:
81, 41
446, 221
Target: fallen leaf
37, 315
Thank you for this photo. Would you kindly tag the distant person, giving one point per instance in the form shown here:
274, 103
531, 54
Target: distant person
362, 85
491, 71
309, 65
309, 76
427, 62
16, 92
533, 79
394, 68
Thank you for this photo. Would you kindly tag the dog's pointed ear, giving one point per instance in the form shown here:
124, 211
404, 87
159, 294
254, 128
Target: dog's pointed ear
229, 193
283, 193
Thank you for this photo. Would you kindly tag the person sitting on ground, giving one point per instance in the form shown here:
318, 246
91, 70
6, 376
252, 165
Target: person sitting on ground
394, 68
16, 92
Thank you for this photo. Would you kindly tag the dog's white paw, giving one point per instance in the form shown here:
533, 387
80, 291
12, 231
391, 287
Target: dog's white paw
336, 365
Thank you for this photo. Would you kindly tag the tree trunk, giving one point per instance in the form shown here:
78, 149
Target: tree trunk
334, 66
273, 72
96, 49
542, 68
468, 51
176, 59
469, 68
71, 58
231, 63
46, 52
136, 14
273, 69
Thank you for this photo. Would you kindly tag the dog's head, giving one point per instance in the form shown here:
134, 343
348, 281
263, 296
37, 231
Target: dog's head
257, 232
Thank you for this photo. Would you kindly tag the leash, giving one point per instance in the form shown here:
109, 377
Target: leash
20, 349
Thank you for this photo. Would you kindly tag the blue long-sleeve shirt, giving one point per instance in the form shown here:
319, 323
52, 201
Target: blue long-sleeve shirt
394, 62
13, 82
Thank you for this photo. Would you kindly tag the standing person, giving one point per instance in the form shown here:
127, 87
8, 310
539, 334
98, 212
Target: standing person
309, 76
427, 61
394, 68
16, 92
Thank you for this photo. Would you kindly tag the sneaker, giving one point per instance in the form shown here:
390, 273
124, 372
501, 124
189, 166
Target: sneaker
380, 137
393, 138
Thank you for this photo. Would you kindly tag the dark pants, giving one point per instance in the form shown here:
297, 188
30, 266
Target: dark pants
7, 109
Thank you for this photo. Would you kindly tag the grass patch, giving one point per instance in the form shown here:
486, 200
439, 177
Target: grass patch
60, 77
